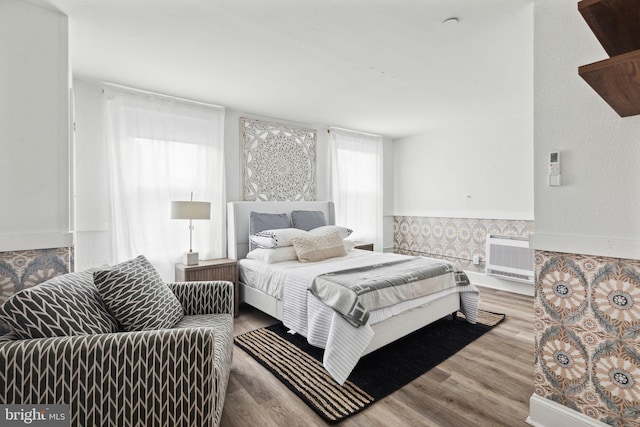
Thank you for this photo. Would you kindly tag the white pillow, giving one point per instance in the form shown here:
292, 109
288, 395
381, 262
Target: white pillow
349, 245
276, 238
344, 232
271, 256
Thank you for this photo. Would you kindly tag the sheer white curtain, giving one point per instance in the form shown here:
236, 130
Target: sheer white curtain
161, 149
356, 183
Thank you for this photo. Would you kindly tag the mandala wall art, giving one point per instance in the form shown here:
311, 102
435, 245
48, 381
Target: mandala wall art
278, 161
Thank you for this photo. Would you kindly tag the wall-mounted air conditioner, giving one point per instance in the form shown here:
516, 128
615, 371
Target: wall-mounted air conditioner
510, 257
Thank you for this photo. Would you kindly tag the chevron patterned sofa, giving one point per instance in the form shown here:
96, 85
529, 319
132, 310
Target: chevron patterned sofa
120, 347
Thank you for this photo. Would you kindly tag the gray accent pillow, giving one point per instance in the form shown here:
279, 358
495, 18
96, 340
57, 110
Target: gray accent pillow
308, 220
136, 295
265, 221
63, 306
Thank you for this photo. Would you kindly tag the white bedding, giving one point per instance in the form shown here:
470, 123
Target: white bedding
306, 315
269, 278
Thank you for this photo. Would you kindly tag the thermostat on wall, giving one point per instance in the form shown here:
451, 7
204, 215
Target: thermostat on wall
555, 179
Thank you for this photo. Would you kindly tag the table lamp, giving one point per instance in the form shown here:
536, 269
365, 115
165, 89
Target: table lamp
190, 210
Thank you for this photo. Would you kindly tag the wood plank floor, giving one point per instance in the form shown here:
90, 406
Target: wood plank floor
488, 383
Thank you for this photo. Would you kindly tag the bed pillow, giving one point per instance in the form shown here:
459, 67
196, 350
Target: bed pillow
272, 256
136, 295
308, 220
349, 245
276, 238
318, 248
265, 221
327, 229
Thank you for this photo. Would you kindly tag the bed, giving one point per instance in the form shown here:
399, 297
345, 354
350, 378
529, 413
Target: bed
280, 290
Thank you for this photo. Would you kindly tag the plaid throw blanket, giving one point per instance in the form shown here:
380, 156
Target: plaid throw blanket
355, 292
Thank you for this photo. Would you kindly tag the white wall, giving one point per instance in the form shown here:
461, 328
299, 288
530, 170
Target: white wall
93, 222
597, 209
34, 128
475, 171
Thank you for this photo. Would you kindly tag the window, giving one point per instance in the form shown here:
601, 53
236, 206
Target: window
356, 183
161, 149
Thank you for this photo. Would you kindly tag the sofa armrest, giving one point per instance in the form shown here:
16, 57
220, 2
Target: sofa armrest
204, 297
163, 377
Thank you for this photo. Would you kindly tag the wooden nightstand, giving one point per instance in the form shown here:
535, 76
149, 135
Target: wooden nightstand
212, 269
364, 246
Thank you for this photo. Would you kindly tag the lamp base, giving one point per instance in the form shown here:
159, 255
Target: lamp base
190, 258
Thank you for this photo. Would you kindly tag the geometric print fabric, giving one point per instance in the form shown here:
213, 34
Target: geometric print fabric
169, 377
136, 295
202, 298
124, 379
222, 327
63, 306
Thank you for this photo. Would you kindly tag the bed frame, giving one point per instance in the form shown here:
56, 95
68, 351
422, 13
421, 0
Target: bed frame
385, 332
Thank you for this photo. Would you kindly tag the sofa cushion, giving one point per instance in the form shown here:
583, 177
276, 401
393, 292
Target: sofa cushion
63, 306
222, 325
136, 295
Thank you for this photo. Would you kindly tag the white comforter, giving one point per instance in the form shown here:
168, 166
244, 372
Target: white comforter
306, 315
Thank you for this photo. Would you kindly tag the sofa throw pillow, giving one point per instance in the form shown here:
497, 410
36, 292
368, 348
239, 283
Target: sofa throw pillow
63, 306
136, 295
259, 221
308, 220
318, 248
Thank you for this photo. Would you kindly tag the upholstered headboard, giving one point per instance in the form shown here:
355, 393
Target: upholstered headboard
238, 220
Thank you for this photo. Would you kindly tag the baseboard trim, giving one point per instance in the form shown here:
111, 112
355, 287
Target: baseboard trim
494, 282
547, 413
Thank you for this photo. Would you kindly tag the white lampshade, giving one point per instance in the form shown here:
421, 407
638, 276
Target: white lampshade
190, 210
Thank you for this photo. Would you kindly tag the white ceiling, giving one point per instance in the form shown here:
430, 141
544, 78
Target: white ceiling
382, 66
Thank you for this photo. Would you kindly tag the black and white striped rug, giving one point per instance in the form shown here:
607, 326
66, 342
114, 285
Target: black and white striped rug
299, 365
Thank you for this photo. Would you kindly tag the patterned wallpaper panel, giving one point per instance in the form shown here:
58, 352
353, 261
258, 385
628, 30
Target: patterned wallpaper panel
587, 335
23, 269
454, 239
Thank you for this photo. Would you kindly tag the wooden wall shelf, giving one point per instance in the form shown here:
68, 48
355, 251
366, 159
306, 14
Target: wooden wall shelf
616, 25
617, 81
